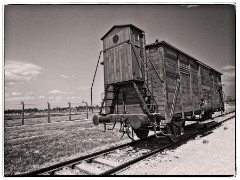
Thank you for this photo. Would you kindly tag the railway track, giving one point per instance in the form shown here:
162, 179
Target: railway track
116, 159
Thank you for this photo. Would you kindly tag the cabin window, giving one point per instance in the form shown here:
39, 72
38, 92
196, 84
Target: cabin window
136, 37
136, 41
115, 39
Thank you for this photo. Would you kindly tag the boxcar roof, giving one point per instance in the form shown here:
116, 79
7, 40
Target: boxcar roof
166, 43
123, 25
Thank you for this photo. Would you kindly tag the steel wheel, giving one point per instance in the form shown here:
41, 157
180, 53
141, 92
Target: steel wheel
141, 133
172, 136
130, 133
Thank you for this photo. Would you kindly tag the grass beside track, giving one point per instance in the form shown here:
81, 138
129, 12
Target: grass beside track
31, 147
27, 148
29, 120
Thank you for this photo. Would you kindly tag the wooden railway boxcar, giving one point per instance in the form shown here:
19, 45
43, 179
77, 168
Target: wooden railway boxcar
199, 85
146, 84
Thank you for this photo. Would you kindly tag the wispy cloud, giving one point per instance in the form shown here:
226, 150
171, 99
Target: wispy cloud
190, 6
20, 98
30, 94
58, 98
11, 83
74, 97
64, 76
41, 97
16, 72
228, 77
84, 88
60, 92
55, 92
228, 67
16, 93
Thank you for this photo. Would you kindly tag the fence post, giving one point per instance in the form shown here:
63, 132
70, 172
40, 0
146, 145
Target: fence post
22, 112
48, 112
86, 107
69, 111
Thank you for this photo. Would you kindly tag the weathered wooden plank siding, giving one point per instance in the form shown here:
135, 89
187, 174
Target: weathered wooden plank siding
108, 96
216, 95
195, 93
197, 81
117, 64
138, 41
123, 34
206, 86
127, 95
131, 99
171, 86
154, 83
196, 98
187, 103
172, 72
210, 85
136, 65
131, 109
186, 98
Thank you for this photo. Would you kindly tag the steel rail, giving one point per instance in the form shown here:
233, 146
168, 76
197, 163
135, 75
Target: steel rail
222, 115
127, 164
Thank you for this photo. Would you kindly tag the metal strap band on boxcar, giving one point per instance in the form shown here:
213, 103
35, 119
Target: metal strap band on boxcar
145, 108
175, 98
155, 70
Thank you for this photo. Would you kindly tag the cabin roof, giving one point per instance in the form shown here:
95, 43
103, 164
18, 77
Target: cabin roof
166, 43
123, 25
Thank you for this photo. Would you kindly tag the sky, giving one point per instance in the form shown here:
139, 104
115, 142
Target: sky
51, 51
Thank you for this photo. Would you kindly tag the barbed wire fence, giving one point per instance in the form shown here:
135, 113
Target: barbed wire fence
47, 112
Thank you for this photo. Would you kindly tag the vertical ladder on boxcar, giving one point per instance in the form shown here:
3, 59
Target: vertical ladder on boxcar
107, 90
113, 100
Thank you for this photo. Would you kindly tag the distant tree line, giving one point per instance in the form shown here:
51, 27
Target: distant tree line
55, 109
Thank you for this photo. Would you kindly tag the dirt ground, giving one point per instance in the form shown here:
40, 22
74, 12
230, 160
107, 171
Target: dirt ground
213, 154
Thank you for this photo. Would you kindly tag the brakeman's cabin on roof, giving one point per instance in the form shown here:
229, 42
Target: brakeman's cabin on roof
120, 62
